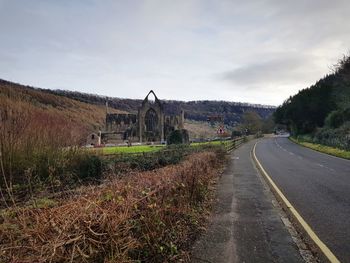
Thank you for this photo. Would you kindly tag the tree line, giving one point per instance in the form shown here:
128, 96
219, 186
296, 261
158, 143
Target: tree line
232, 112
322, 111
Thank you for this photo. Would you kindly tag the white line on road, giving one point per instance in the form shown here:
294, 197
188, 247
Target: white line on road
301, 158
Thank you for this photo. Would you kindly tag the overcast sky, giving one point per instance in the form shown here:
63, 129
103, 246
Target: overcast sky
258, 51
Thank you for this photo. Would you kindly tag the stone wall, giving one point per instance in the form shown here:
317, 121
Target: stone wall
120, 122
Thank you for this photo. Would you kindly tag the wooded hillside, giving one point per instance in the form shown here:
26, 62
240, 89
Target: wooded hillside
323, 110
195, 110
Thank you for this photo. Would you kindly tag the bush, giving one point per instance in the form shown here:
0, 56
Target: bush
87, 167
339, 138
178, 137
235, 134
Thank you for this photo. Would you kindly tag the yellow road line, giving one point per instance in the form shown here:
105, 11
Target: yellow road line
323, 248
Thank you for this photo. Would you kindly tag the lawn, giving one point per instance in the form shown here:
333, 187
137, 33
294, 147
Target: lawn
323, 148
211, 143
131, 149
149, 148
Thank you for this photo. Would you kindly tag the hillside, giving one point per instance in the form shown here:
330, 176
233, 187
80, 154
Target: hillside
200, 129
194, 110
82, 113
88, 117
321, 111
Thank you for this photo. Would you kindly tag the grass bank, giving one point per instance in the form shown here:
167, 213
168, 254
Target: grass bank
151, 216
323, 148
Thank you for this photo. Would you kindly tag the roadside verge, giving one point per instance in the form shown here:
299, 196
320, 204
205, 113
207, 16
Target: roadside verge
322, 250
336, 152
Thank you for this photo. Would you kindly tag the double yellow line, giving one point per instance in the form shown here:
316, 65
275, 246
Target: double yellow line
294, 213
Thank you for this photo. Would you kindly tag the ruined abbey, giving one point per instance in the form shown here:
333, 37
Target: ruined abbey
150, 124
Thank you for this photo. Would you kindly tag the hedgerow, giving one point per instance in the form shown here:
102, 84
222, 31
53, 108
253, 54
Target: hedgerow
147, 216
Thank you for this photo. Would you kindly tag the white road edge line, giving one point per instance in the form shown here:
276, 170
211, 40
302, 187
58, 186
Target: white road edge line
312, 235
322, 153
291, 153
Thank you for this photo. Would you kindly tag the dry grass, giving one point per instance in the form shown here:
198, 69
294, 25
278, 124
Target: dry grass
35, 127
198, 129
91, 117
144, 217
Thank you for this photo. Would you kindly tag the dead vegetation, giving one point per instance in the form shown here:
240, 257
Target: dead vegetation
91, 117
39, 135
200, 129
143, 217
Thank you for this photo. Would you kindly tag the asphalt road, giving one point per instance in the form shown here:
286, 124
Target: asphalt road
317, 185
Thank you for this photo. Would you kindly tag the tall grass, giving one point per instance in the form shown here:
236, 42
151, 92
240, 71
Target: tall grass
35, 148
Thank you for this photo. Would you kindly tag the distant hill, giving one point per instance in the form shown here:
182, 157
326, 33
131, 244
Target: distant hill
194, 110
87, 111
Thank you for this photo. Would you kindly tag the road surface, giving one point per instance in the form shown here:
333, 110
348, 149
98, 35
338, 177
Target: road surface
317, 185
245, 225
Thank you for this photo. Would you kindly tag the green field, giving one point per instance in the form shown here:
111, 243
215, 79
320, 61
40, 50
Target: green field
131, 149
225, 143
148, 148
323, 148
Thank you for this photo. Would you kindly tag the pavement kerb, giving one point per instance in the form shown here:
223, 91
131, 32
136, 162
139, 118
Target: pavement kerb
324, 252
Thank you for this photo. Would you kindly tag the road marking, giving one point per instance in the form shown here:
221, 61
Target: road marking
301, 158
322, 153
322, 246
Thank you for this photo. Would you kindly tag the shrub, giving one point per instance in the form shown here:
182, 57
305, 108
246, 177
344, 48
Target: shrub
339, 138
178, 137
235, 134
87, 166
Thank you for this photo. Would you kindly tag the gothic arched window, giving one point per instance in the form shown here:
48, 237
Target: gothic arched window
151, 120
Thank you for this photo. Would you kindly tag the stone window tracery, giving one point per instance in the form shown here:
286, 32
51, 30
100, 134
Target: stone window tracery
151, 120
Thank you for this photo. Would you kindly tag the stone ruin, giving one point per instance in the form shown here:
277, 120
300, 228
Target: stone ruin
149, 125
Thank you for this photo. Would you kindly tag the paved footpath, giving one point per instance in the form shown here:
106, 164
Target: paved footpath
245, 225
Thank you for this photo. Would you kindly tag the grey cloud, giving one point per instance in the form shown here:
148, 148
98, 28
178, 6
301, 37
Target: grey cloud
276, 71
122, 48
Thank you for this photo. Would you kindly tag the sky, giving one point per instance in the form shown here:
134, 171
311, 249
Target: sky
257, 51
